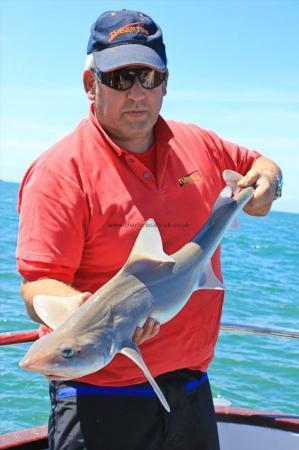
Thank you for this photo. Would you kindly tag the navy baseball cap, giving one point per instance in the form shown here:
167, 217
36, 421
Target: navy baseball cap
122, 38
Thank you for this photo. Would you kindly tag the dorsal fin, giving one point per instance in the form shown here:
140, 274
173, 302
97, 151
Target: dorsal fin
148, 245
55, 310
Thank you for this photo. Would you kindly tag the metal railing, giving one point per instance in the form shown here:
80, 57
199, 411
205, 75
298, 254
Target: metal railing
18, 337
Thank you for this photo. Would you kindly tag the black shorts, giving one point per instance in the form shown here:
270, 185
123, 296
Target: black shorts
85, 417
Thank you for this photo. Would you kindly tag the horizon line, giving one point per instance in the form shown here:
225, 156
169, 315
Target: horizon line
271, 211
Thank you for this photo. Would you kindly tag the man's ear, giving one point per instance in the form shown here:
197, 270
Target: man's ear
89, 84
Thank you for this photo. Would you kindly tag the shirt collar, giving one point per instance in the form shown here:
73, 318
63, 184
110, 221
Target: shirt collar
95, 124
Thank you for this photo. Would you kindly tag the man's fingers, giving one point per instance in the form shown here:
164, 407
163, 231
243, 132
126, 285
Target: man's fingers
85, 296
156, 328
249, 179
149, 329
261, 201
264, 183
137, 334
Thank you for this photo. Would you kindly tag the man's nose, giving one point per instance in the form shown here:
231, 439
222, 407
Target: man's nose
136, 92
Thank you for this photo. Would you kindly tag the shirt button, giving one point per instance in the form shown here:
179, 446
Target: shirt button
131, 160
146, 174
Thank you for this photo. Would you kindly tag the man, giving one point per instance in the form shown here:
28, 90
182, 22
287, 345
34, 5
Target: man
81, 206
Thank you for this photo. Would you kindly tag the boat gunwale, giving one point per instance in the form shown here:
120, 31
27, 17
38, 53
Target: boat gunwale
36, 438
259, 418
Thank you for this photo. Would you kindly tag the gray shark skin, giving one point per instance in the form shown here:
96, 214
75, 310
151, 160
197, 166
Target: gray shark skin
150, 284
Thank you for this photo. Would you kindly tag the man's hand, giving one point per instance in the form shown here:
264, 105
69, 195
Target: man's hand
84, 296
262, 176
149, 329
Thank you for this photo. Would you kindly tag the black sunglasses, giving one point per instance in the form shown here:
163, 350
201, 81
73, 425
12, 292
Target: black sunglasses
123, 79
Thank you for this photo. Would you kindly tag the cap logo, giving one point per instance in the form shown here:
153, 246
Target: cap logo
129, 28
193, 177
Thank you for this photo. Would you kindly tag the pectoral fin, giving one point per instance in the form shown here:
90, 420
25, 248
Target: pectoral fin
134, 354
208, 280
55, 310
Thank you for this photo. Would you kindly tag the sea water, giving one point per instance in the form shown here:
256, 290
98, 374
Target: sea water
260, 266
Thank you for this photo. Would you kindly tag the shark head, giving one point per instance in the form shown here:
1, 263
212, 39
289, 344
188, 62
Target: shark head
74, 349
65, 358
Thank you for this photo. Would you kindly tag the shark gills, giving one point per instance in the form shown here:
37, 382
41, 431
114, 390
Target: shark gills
150, 284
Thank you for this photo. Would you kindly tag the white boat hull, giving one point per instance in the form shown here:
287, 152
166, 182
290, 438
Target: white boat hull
248, 437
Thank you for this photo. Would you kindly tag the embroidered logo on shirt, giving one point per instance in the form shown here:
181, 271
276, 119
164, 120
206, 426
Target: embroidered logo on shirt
193, 177
129, 28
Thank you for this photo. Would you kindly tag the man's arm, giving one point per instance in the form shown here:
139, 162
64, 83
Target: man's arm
263, 175
48, 286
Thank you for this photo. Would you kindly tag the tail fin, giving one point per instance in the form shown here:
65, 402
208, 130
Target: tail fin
231, 178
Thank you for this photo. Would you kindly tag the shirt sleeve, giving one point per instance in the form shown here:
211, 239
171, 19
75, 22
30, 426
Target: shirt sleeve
35, 270
53, 219
229, 155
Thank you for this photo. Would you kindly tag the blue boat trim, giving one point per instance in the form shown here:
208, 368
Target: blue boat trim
130, 391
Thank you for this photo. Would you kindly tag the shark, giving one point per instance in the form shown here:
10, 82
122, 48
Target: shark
150, 284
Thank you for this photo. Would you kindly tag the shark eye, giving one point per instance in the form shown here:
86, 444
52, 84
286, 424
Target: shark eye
67, 353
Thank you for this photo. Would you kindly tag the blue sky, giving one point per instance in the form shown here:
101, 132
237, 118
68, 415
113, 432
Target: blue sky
233, 69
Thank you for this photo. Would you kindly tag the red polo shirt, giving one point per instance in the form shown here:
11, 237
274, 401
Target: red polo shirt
83, 202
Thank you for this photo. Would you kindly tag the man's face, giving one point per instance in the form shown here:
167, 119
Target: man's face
131, 114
